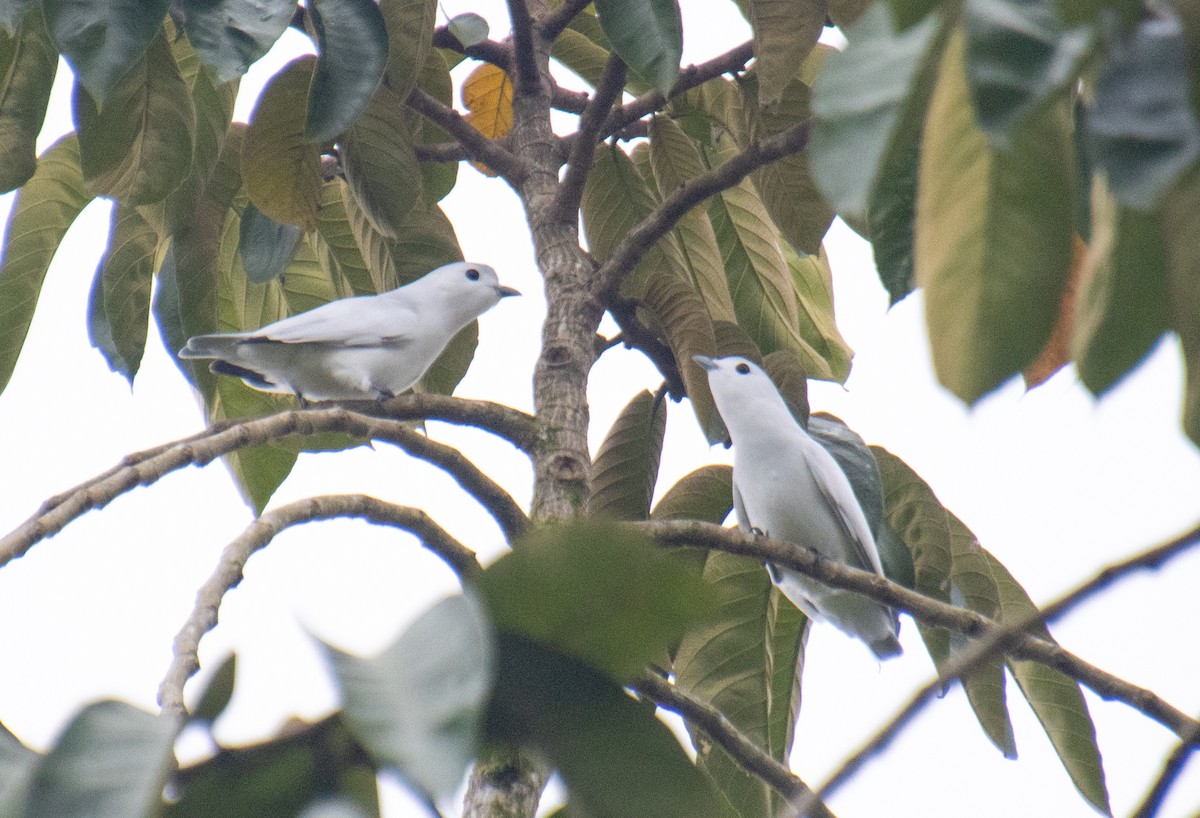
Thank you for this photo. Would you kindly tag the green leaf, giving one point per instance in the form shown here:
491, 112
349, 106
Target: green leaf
746, 662
17, 765
469, 29
704, 494
676, 160
981, 210
615, 757
418, 706
973, 585
791, 379
1180, 220
579, 54
825, 352
352, 41
380, 164
214, 103
138, 146
281, 776
625, 468
281, 167
1019, 55
102, 41
186, 300
858, 98
788, 189
760, 281
733, 340
1123, 305
785, 31
242, 305
336, 242
437, 178
647, 35
914, 513
678, 313
218, 693
1142, 130
28, 63
593, 590
111, 759
892, 211
230, 35
13, 13
41, 214
410, 37
1055, 697
615, 198
119, 313
265, 245
307, 282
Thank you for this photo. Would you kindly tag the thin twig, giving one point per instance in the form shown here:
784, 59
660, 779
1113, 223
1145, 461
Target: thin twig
583, 148
498, 502
491, 51
144, 468
555, 21
689, 77
527, 75
186, 659
1171, 770
478, 147
924, 609
745, 752
662, 220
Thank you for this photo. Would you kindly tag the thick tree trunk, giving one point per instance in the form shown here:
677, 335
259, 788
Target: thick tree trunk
509, 785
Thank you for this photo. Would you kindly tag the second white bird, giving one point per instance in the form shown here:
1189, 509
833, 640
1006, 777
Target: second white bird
787, 486
366, 347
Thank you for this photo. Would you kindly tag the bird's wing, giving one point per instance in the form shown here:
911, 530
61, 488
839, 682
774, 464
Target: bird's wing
861, 556
349, 322
739, 509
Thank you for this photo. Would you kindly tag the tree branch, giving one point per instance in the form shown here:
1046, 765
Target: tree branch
555, 21
478, 147
144, 468
663, 219
527, 74
583, 148
498, 502
1172, 767
442, 152
744, 751
636, 335
491, 51
1020, 645
693, 75
258, 534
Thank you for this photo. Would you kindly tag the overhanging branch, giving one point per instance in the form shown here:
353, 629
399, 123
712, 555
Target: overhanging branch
583, 147
1019, 644
262, 531
144, 468
478, 147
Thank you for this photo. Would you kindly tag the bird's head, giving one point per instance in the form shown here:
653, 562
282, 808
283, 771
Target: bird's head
474, 288
744, 393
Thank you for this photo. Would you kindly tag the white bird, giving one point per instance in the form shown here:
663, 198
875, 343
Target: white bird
366, 347
788, 487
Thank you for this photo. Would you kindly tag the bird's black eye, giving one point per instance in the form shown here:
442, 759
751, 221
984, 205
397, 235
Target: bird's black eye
743, 369
472, 274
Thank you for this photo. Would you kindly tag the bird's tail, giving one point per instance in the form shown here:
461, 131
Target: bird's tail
210, 346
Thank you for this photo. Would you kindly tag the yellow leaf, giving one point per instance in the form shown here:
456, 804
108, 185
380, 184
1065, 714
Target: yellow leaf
487, 95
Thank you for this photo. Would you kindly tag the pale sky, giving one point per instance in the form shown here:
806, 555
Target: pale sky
1055, 484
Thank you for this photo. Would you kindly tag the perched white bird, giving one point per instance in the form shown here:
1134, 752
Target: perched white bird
367, 347
787, 486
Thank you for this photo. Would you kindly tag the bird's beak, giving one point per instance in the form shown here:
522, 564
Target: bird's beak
705, 362
505, 292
